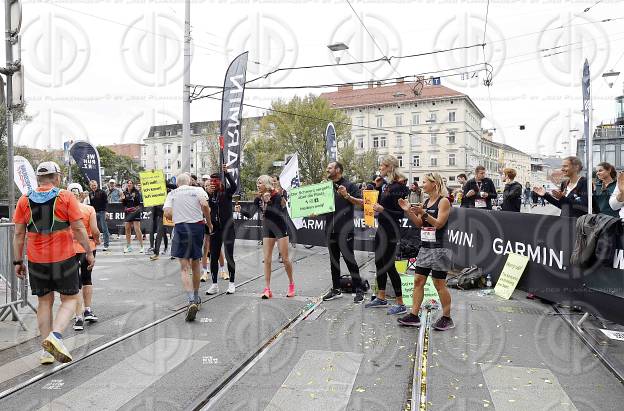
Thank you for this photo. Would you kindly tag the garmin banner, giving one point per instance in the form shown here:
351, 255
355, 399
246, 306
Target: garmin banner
231, 114
87, 159
330, 143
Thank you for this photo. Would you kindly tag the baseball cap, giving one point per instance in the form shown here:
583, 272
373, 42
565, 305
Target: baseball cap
48, 167
112, 180
74, 187
205, 177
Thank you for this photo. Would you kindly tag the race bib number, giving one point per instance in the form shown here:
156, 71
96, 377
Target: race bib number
480, 203
428, 234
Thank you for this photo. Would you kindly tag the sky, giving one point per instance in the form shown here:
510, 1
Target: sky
105, 71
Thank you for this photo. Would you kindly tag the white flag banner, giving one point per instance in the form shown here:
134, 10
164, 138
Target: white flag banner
24, 175
289, 179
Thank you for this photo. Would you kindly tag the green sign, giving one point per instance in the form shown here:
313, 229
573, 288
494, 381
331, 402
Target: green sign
313, 199
407, 286
512, 271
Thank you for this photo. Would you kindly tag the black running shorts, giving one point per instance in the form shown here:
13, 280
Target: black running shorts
85, 273
61, 276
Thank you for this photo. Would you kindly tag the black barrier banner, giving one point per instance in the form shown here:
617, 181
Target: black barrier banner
231, 114
87, 159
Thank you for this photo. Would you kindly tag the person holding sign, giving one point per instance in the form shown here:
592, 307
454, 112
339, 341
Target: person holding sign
132, 201
389, 216
339, 229
479, 191
433, 257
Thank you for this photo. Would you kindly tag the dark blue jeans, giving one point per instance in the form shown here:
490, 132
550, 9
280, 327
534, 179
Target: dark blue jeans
101, 220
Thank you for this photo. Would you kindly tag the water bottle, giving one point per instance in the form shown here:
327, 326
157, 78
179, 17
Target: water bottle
488, 281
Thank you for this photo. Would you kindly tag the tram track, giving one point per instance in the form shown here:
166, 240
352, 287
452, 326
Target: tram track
25, 384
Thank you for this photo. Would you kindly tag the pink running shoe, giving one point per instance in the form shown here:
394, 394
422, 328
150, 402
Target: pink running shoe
291, 290
266, 294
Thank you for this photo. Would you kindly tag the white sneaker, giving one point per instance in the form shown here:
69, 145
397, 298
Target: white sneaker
142, 250
127, 249
214, 288
46, 358
204, 277
231, 288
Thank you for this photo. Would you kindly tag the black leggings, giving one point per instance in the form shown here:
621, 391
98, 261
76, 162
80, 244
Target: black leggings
386, 248
222, 236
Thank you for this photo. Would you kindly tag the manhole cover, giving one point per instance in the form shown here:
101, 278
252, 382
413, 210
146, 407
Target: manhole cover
509, 309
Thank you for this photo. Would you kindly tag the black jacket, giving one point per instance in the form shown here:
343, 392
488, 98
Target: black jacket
575, 203
98, 200
389, 220
512, 197
221, 202
487, 185
341, 220
596, 237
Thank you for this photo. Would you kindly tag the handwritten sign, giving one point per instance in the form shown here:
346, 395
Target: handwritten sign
370, 198
512, 271
153, 188
313, 199
407, 286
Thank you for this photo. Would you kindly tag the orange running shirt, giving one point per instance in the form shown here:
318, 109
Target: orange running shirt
87, 211
58, 245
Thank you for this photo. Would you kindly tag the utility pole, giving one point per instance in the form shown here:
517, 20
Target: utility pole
186, 91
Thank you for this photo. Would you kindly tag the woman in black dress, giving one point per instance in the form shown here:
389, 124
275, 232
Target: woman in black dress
132, 201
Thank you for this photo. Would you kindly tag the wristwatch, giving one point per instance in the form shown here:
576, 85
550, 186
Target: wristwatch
424, 216
18, 262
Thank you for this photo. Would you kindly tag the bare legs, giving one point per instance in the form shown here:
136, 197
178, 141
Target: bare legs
282, 246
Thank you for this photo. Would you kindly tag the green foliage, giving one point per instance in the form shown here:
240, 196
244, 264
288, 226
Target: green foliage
358, 167
118, 167
19, 115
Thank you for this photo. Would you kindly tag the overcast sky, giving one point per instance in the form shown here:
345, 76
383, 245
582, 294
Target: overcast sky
105, 71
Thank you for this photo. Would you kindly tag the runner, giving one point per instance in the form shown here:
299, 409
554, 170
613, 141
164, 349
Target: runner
478, 192
220, 200
433, 256
132, 200
389, 215
51, 219
273, 230
188, 207
89, 220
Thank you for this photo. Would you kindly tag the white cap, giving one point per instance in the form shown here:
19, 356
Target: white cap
205, 177
112, 180
48, 167
75, 187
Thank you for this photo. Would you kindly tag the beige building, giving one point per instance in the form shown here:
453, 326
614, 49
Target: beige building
516, 159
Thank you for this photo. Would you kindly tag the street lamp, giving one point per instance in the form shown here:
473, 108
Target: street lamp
610, 77
338, 47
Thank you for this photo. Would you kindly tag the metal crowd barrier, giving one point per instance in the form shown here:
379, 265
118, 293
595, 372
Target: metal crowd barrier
14, 289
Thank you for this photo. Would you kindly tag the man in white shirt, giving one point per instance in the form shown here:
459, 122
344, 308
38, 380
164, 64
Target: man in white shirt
188, 207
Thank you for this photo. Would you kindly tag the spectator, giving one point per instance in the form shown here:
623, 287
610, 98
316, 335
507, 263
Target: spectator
113, 192
617, 198
527, 194
99, 201
133, 209
572, 196
512, 194
605, 186
479, 191
415, 195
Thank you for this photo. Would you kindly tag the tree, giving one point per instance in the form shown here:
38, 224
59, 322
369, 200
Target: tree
358, 167
19, 115
116, 166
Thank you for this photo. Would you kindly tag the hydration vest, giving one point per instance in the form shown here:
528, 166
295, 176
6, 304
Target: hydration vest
42, 217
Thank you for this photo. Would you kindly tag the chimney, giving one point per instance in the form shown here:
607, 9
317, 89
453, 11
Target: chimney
345, 88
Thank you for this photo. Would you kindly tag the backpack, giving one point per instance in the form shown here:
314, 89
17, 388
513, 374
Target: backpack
346, 284
469, 277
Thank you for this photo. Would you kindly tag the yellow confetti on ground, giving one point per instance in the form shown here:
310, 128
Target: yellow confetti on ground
360, 389
451, 397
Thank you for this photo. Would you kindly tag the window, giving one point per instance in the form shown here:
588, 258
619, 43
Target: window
451, 178
414, 138
399, 140
416, 179
451, 137
596, 159
398, 120
433, 161
379, 121
179, 164
360, 142
433, 139
451, 159
375, 142
168, 176
144, 151
610, 153
451, 116
144, 163
360, 121
179, 149
382, 141
433, 117
156, 133
415, 119
400, 158
167, 148
168, 133
415, 161
168, 164
179, 132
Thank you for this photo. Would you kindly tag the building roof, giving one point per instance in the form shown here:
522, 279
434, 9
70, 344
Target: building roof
507, 147
400, 92
196, 127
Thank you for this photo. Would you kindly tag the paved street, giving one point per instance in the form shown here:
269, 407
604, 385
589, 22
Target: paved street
507, 355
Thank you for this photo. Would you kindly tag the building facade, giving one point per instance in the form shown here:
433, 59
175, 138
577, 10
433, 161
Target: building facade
162, 148
433, 129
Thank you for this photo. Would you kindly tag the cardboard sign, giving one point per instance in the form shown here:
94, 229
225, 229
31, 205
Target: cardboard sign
153, 188
407, 286
370, 198
512, 271
313, 199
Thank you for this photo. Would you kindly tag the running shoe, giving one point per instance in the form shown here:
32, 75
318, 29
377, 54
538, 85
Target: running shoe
90, 316
359, 297
266, 294
127, 249
376, 303
397, 309
105, 248
55, 346
444, 323
142, 250
198, 301
214, 288
231, 288
409, 320
154, 257
191, 312
45, 358
204, 277
332, 294
224, 274
291, 290
150, 250
79, 324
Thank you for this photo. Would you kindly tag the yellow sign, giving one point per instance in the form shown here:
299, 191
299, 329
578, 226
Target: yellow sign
153, 188
512, 271
407, 286
370, 198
